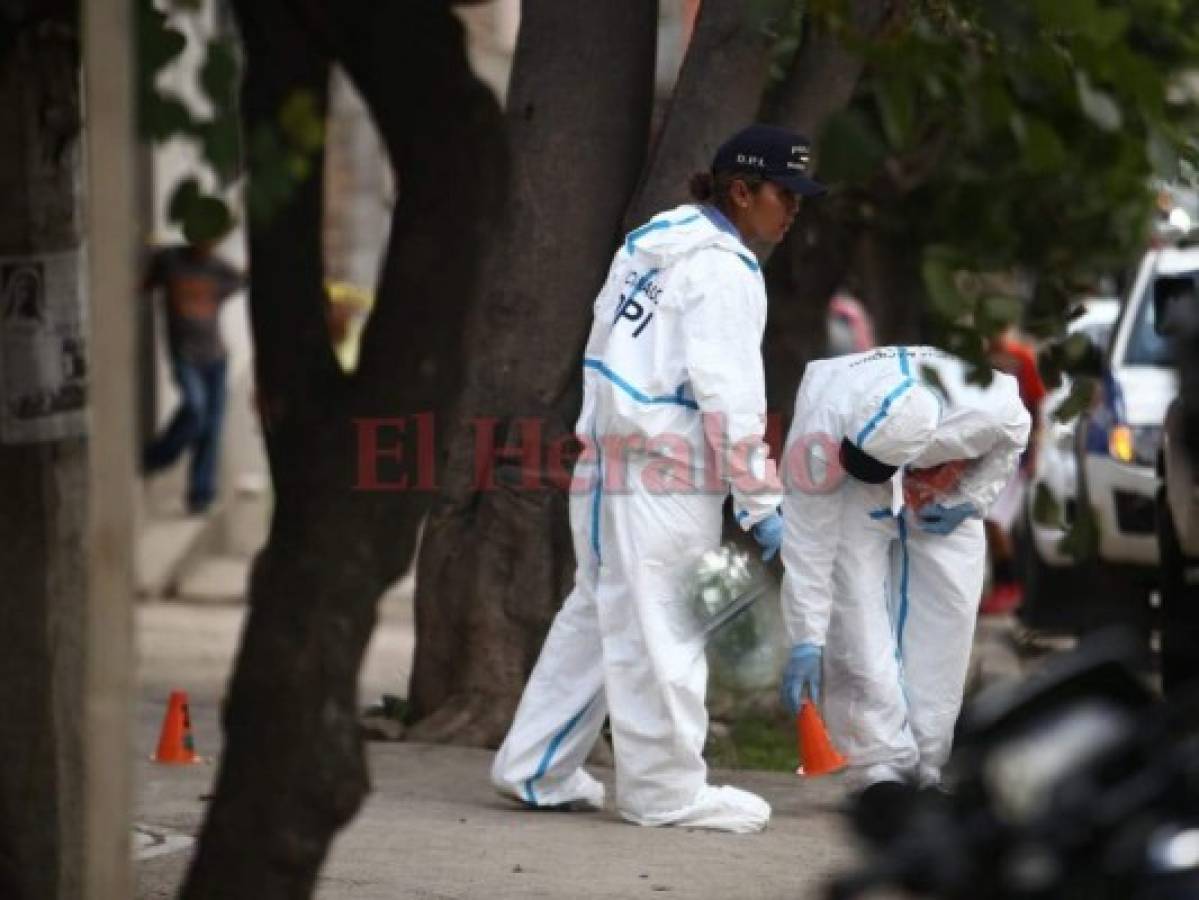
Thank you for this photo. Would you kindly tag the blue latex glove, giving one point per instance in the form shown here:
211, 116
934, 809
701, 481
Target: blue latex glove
769, 535
802, 675
938, 519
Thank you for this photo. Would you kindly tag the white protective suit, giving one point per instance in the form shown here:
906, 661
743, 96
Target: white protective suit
677, 332
893, 606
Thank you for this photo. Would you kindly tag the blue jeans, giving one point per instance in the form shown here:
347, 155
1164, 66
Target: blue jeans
195, 425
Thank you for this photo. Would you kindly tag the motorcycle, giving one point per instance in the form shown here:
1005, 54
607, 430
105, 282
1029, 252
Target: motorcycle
1075, 783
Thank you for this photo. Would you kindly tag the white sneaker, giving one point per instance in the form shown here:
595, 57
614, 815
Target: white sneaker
578, 793
719, 808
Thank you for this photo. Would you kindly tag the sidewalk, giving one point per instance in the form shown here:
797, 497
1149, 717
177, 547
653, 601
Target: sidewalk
433, 827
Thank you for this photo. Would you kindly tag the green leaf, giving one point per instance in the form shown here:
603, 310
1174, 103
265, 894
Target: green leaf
1081, 541
162, 117
1098, 106
157, 42
937, 270
1045, 509
1107, 26
1163, 156
1075, 350
221, 140
1002, 310
995, 103
850, 149
218, 76
1050, 369
932, 379
1082, 390
298, 166
302, 121
1043, 148
898, 112
185, 193
203, 217
206, 219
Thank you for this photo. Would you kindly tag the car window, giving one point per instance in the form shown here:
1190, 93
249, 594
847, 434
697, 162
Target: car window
1145, 346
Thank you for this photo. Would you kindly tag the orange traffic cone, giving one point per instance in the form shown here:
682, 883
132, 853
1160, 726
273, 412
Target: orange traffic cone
175, 745
817, 755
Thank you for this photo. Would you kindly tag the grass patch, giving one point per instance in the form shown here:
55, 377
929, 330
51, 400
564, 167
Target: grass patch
755, 742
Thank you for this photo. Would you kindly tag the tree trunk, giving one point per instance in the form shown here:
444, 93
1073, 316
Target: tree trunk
43, 469
344, 526
891, 288
825, 72
818, 255
719, 91
496, 559
800, 278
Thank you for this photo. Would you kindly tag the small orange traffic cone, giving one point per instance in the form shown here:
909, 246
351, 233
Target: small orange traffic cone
175, 745
817, 755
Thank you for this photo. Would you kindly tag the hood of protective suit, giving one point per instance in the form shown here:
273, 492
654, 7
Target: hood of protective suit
679, 232
894, 420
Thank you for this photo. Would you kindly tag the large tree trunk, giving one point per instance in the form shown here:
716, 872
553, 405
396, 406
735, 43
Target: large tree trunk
293, 769
889, 281
819, 253
496, 559
800, 279
43, 473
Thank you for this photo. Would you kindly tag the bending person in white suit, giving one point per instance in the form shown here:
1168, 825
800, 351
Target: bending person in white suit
880, 598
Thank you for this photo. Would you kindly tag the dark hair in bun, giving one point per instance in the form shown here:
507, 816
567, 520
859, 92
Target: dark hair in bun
708, 188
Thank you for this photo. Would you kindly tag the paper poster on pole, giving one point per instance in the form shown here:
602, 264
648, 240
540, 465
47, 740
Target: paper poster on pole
43, 359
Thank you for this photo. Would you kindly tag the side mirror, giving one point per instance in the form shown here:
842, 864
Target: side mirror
1173, 303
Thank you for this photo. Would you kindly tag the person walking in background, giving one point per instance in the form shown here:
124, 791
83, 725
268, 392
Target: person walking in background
194, 283
673, 364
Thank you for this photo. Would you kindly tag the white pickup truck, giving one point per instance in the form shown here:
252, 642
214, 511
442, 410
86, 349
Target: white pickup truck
1119, 442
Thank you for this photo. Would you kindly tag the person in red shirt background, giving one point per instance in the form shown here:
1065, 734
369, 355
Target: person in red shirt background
1013, 354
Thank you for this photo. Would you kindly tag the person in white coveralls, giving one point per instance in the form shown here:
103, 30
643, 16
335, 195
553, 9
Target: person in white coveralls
674, 352
880, 596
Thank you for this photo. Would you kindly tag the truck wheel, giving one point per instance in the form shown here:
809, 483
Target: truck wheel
1118, 597
1055, 597
1180, 606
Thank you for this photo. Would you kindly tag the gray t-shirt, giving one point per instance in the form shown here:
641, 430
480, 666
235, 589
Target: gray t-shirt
194, 285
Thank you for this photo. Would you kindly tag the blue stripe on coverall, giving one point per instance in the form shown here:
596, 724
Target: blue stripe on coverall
904, 386
547, 757
596, 496
640, 396
902, 618
630, 242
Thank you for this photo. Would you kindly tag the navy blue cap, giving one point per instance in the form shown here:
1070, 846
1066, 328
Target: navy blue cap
776, 154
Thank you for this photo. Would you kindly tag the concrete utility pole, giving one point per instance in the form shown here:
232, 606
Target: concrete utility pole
112, 257
65, 403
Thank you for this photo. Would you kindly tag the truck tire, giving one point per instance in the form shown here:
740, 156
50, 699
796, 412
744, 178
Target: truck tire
1119, 598
1055, 597
1180, 606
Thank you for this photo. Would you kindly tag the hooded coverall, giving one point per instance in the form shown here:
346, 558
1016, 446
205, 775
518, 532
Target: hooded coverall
893, 605
675, 349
